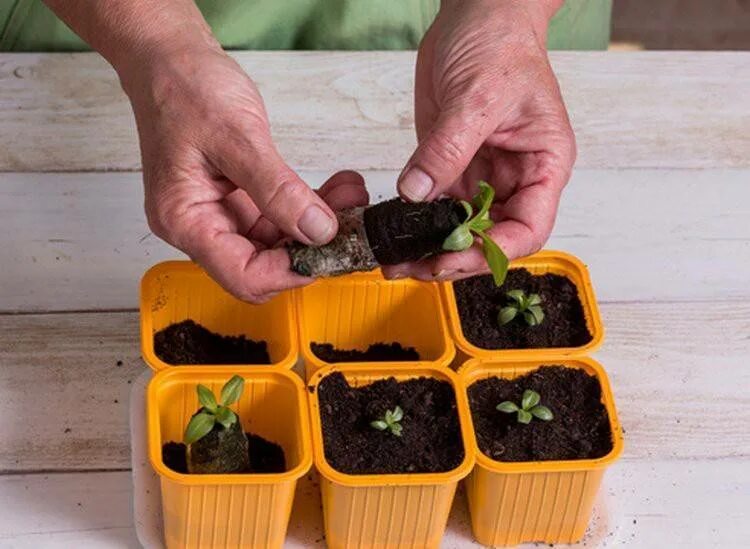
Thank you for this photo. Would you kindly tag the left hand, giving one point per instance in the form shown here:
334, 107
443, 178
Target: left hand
488, 107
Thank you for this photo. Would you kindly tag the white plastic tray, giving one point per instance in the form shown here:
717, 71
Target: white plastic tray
306, 524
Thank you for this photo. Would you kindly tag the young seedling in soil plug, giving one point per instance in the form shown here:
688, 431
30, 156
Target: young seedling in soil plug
529, 408
462, 237
530, 307
395, 232
390, 421
216, 443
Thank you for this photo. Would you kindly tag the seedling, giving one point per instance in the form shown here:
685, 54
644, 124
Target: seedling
529, 408
462, 236
212, 412
529, 306
390, 421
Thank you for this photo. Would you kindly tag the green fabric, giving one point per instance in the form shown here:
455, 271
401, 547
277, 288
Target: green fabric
28, 25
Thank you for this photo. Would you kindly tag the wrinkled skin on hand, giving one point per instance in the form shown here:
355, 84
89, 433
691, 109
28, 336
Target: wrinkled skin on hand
488, 107
215, 185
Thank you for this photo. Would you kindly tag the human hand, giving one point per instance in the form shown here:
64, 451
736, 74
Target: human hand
215, 185
488, 107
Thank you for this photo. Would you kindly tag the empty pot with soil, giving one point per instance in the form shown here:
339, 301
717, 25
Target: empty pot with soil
546, 305
387, 438
544, 433
228, 453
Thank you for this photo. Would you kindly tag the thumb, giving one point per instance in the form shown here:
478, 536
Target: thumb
279, 193
441, 156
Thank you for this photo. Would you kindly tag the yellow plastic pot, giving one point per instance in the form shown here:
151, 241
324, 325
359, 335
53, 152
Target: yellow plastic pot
357, 310
543, 501
547, 261
174, 291
205, 511
387, 511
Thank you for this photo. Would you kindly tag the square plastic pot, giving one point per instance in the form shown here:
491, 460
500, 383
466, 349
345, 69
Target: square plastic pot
542, 501
392, 510
237, 510
357, 310
174, 291
547, 261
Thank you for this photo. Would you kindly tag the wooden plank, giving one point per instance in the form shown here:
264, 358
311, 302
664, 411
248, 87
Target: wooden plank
655, 503
678, 370
80, 241
331, 110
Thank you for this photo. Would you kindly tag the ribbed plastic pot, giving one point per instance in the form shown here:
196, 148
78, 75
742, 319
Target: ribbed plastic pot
542, 501
238, 510
547, 261
357, 310
174, 291
390, 511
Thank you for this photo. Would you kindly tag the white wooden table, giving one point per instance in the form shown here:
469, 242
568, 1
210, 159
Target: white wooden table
659, 207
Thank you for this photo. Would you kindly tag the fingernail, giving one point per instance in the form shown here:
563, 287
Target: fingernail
316, 225
444, 274
416, 185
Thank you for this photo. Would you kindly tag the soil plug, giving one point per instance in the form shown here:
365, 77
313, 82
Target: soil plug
395, 232
216, 443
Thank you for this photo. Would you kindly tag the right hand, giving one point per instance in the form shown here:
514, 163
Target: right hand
215, 185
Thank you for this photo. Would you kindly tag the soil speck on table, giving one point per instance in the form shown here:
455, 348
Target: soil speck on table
579, 429
479, 301
188, 342
377, 352
431, 434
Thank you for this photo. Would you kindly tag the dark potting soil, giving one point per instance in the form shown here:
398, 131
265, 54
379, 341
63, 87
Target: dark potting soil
430, 440
188, 342
265, 456
479, 301
399, 231
579, 428
378, 352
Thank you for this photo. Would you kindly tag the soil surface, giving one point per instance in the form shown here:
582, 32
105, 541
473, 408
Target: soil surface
431, 435
579, 428
265, 456
399, 231
188, 342
378, 352
479, 302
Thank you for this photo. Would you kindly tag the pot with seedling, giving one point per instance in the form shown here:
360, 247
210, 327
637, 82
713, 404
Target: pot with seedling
544, 432
545, 306
386, 438
228, 450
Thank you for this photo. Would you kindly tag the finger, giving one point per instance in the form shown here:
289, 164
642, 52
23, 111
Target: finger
208, 235
443, 154
278, 192
345, 189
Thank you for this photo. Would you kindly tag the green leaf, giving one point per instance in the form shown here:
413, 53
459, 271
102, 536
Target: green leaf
524, 417
537, 312
232, 390
200, 425
534, 299
398, 413
507, 407
379, 424
459, 240
396, 429
206, 398
542, 412
483, 200
388, 417
516, 295
226, 417
496, 259
469, 210
530, 399
506, 314
529, 318
480, 224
